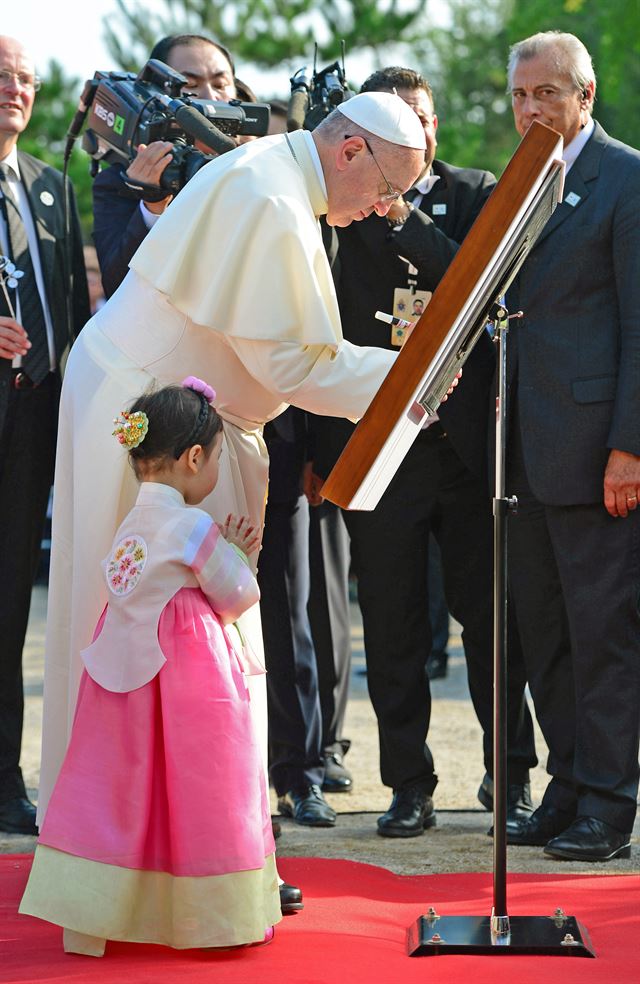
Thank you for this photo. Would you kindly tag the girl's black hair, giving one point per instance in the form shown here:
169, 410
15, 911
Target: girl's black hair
178, 417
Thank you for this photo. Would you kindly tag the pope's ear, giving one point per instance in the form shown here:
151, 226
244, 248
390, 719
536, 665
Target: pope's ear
348, 151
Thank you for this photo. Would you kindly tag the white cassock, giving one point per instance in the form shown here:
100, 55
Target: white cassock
232, 285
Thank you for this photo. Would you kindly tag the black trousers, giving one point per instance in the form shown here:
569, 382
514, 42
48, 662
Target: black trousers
574, 573
295, 725
329, 558
432, 491
27, 452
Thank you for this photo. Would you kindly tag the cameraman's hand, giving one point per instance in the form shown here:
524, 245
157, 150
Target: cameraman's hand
148, 166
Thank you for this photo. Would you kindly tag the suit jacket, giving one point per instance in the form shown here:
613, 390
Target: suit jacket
118, 226
370, 270
42, 181
576, 354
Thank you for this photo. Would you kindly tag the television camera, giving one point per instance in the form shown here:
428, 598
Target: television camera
125, 110
315, 94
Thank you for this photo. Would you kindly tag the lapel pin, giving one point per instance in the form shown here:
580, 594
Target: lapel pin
572, 199
46, 198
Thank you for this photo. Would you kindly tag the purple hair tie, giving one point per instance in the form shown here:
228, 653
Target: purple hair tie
199, 386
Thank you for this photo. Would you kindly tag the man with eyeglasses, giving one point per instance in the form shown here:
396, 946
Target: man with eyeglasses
36, 319
441, 488
573, 460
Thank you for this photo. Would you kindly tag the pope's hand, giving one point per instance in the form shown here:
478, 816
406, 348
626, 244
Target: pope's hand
453, 386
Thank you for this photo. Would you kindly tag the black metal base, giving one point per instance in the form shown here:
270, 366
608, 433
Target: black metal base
558, 936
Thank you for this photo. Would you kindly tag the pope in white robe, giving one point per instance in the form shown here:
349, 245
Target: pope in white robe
233, 285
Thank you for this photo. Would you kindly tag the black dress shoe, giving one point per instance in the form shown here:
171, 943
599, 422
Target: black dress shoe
276, 829
410, 813
519, 803
589, 839
290, 899
337, 779
307, 806
543, 824
18, 816
437, 666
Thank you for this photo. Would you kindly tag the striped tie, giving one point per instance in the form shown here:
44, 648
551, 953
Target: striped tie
36, 363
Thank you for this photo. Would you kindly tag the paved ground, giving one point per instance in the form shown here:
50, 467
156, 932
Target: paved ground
459, 842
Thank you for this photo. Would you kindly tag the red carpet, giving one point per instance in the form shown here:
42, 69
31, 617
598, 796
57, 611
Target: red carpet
351, 931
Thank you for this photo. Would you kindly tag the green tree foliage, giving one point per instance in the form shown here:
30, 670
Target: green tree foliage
45, 137
264, 32
464, 61
465, 64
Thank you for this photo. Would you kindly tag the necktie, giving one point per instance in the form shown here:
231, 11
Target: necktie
36, 363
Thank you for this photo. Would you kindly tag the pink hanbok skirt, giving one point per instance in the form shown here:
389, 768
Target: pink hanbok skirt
158, 829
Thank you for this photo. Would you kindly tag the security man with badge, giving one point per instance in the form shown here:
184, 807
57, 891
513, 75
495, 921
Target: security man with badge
394, 263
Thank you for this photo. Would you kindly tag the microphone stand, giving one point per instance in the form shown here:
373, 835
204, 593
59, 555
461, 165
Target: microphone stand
499, 933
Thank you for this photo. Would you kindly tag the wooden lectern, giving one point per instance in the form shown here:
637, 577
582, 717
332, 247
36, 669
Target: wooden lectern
487, 261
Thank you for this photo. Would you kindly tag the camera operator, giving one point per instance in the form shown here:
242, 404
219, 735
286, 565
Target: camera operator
120, 221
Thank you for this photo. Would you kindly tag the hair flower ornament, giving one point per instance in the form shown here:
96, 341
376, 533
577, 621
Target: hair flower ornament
131, 428
199, 386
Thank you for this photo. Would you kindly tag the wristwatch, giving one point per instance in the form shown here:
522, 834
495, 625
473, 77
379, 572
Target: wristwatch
398, 223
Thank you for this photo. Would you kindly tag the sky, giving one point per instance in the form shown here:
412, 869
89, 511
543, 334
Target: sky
68, 30
71, 32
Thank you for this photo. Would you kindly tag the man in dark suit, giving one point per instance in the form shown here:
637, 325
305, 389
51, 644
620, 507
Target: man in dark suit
441, 487
573, 460
50, 304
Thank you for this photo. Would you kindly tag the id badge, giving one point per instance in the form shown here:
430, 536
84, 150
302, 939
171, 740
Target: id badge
409, 305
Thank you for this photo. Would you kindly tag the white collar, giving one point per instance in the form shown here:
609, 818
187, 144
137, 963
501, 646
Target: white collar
12, 160
154, 493
571, 151
424, 184
315, 157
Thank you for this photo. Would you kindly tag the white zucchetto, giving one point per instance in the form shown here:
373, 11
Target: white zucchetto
387, 116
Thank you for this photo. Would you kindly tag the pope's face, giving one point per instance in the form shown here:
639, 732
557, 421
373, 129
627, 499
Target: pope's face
16, 98
541, 91
423, 108
368, 176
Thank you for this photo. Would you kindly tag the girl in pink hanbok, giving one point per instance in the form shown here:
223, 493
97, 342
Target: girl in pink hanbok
158, 830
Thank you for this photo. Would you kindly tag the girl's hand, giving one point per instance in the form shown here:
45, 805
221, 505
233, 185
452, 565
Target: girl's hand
241, 532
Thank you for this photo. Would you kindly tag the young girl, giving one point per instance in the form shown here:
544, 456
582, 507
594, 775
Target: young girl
158, 830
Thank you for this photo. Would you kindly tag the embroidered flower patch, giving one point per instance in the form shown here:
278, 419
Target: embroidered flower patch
126, 564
